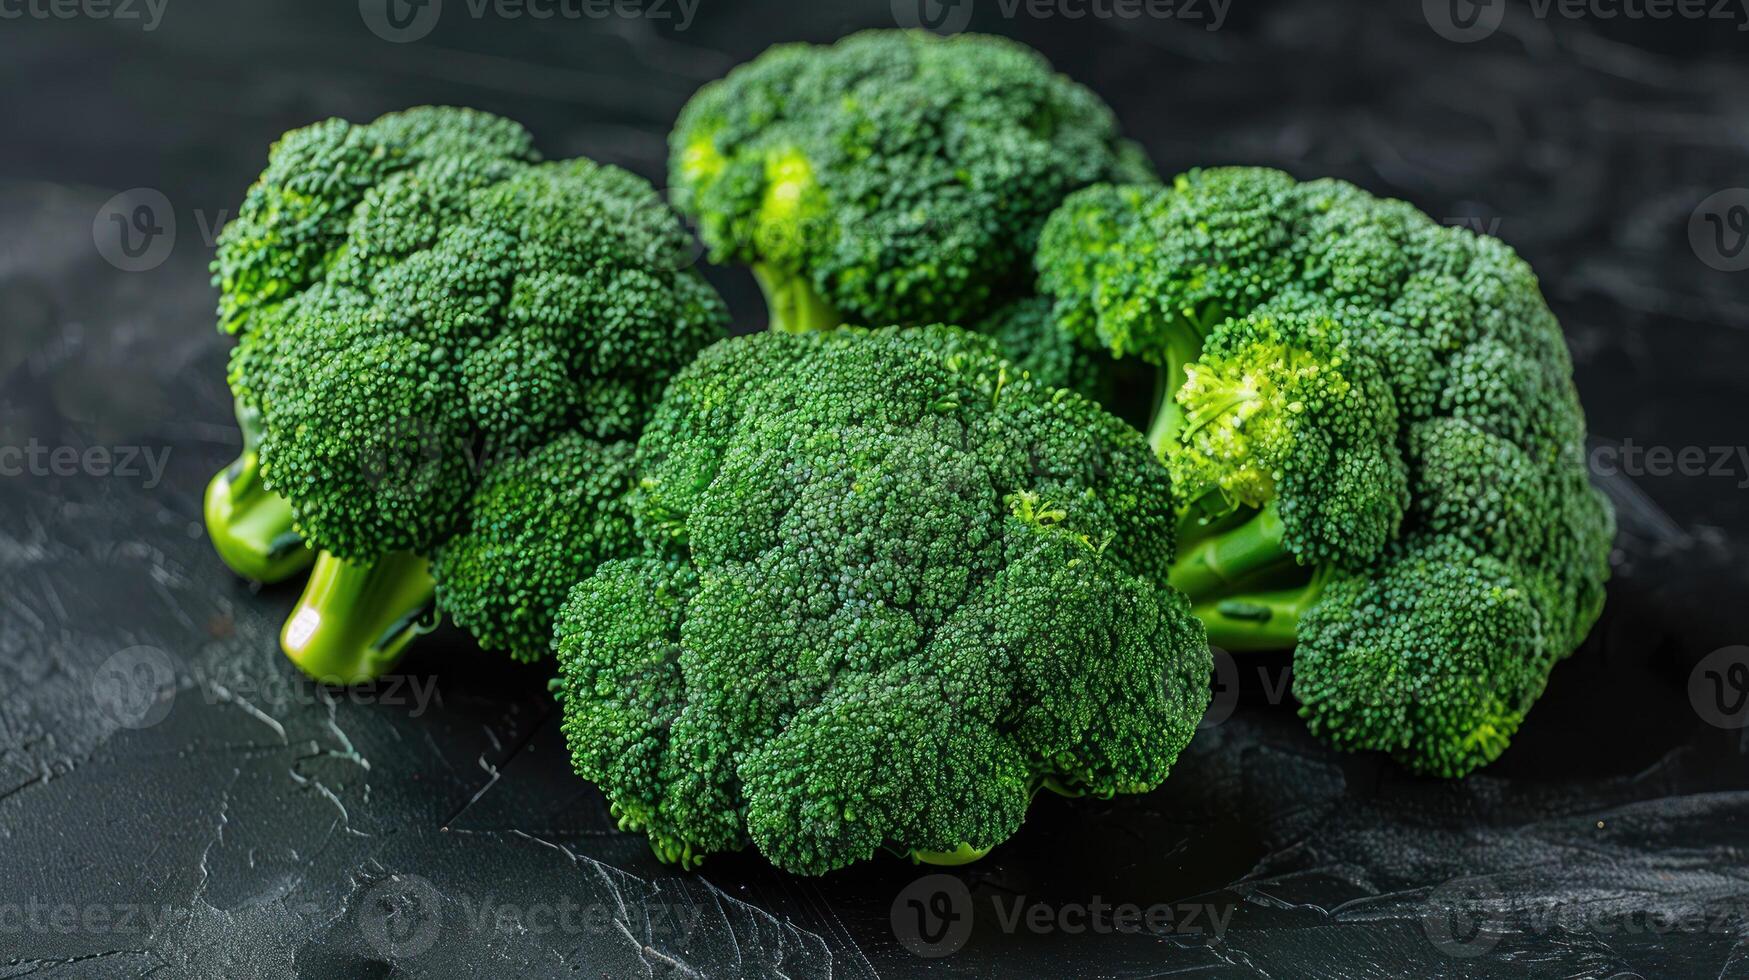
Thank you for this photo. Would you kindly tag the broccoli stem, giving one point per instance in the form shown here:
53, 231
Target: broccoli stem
1209, 567
1260, 620
354, 620
251, 526
795, 306
1183, 346
963, 854
1168, 415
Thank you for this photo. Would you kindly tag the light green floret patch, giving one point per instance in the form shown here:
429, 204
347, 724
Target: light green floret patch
788, 223
1288, 431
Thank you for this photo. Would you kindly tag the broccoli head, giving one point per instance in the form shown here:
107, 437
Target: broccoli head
892, 587
894, 177
417, 300
1377, 448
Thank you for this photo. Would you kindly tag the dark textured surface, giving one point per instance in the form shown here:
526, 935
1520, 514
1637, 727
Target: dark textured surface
255, 826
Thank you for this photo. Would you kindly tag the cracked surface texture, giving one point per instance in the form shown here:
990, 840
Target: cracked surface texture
176, 802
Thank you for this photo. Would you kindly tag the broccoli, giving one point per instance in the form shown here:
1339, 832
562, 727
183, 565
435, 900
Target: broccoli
448, 347
1376, 446
891, 588
895, 177
292, 227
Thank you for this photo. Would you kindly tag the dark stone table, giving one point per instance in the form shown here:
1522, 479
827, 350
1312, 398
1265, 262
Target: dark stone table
246, 824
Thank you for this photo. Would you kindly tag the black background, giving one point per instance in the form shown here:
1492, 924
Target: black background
261, 827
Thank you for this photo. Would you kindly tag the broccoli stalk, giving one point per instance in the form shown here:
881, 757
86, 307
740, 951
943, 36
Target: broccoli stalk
1245, 622
1233, 570
355, 620
795, 306
961, 855
1213, 564
251, 526
1184, 340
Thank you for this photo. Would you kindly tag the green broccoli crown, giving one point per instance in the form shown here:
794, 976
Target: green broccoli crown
878, 614
893, 177
538, 523
415, 293
1436, 410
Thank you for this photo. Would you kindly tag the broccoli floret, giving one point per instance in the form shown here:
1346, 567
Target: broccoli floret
878, 615
1288, 434
1434, 657
416, 300
537, 524
1377, 448
895, 177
